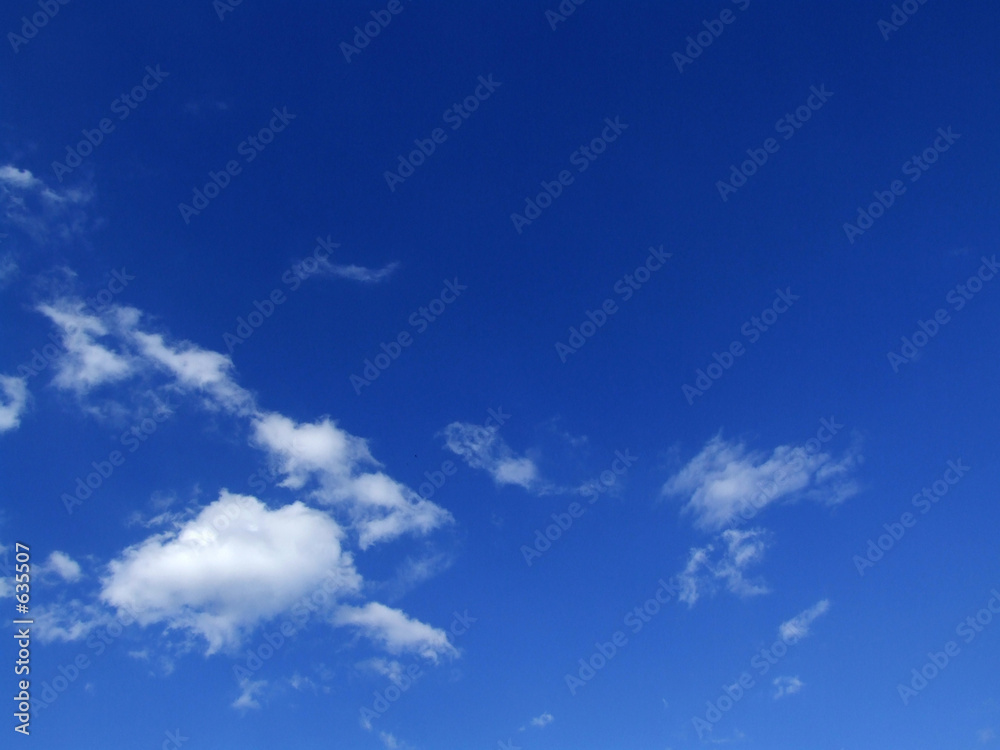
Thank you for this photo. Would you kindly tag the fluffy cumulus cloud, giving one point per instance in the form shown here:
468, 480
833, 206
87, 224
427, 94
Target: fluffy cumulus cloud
483, 448
541, 721
379, 507
725, 483
220, 571
13, 401
219, 579
396, 632
112, 346
724, 563
798, 627
62, 565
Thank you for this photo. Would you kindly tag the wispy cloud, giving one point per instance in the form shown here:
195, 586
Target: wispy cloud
725, 481
249, 691
360, 273
483, 448
14, 401
724, 563
798, 627
786, 685
42, 212
396, 632
541, 721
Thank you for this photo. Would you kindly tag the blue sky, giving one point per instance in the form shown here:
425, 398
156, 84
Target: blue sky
509, 376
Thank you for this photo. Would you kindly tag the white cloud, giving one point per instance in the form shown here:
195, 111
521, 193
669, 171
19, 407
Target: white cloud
246, 571
379, 507
86, 363
197, 369
360, 273
41, 212
389, 740
22, 179
798, 627
71, 620
6, 573
543, 720
724, 482
785, 685
708, 567
249, 690
219, 583
483, 448
14, 401
62, 565
396, 632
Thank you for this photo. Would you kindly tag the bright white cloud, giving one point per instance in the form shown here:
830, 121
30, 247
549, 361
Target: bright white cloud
86, 363
724, 482
253, 567
724, 563
786, 685
197, 369
483, 448
13, 402
543, 720
63, 566
396, 632
379, 507
798, 627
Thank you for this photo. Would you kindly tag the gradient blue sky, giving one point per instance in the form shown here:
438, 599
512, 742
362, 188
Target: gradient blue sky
543, 360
